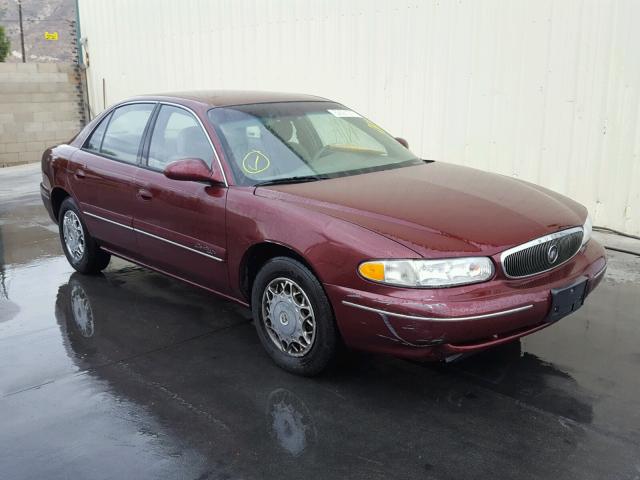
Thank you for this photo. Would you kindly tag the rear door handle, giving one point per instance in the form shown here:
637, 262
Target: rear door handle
144, 194
79, 174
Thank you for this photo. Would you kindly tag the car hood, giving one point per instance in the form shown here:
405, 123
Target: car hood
439, 209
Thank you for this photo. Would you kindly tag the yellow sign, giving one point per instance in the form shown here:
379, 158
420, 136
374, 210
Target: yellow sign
255, 162
51, 36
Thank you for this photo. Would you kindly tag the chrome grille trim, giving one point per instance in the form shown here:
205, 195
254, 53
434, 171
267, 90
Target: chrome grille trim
539, 241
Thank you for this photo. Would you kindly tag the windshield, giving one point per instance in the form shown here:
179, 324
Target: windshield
296, 141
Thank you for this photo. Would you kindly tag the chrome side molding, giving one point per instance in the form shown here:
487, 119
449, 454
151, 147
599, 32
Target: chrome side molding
137, 230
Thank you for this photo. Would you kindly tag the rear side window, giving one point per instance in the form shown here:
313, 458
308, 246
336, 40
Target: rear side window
94, 142
177, 135
124, 132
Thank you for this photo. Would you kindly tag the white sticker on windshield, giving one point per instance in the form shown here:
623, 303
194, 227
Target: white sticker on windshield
253, 131
343, 113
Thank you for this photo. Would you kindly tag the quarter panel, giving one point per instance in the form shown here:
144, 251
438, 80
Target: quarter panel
60, 159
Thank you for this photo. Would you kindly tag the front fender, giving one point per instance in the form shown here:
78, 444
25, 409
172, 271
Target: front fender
333, 247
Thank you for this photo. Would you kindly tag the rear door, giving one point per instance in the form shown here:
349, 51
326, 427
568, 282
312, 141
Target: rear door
104, 172
181, 226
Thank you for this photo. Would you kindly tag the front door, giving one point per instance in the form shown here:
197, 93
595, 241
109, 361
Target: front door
180, 225
103, 176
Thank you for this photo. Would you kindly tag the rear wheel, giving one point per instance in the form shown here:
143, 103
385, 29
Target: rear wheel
79, 247
293, 317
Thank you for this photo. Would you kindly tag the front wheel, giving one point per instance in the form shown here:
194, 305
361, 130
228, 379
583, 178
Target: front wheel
293, 317
79, 247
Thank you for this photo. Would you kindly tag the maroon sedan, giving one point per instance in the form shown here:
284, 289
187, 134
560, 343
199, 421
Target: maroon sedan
330, 229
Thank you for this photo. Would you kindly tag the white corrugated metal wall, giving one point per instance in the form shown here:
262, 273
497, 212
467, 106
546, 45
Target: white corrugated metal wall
548, 91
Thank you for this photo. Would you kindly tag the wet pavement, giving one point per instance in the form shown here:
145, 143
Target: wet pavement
134, 375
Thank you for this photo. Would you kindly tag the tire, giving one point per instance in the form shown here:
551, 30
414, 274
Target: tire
316, 347
86, 257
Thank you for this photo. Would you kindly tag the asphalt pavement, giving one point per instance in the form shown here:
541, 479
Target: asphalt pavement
134, 375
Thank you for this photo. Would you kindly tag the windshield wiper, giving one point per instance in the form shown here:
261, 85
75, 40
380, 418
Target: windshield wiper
283, 181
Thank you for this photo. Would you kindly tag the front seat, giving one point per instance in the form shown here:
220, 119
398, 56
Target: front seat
283, 129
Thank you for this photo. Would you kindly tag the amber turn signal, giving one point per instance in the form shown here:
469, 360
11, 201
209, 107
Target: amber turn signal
372, 271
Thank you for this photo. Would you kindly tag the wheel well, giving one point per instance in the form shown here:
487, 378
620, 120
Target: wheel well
57, 197
257, 256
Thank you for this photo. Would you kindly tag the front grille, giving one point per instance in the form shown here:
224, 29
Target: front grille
542, 254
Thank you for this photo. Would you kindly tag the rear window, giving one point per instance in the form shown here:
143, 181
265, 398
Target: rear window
94, 142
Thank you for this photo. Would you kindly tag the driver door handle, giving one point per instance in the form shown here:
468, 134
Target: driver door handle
144, 194
79, 174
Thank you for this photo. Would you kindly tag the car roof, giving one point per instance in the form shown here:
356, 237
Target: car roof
225, 98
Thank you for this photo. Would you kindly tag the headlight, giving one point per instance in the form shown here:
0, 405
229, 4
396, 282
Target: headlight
444, 272
587, 228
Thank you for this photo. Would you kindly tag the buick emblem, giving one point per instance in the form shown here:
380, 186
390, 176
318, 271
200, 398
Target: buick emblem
552, 254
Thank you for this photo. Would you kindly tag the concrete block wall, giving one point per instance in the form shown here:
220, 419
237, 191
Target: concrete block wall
40, 106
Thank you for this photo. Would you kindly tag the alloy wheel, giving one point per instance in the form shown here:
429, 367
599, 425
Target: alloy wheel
288, 317
73, 235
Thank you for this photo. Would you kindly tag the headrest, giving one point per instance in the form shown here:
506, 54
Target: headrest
282, 128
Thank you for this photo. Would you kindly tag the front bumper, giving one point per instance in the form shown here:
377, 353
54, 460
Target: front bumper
436, 324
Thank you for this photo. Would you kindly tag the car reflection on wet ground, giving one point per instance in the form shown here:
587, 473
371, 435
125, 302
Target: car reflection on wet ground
133, 375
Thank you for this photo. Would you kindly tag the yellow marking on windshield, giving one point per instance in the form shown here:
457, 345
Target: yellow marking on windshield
255, 162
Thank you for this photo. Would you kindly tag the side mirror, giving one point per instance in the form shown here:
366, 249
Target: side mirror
192, 170
402, 142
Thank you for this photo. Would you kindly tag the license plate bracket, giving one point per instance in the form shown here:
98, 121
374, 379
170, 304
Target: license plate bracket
566, 300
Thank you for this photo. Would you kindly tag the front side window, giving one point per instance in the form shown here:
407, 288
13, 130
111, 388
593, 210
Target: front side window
286, 141
177, 135
124, 132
